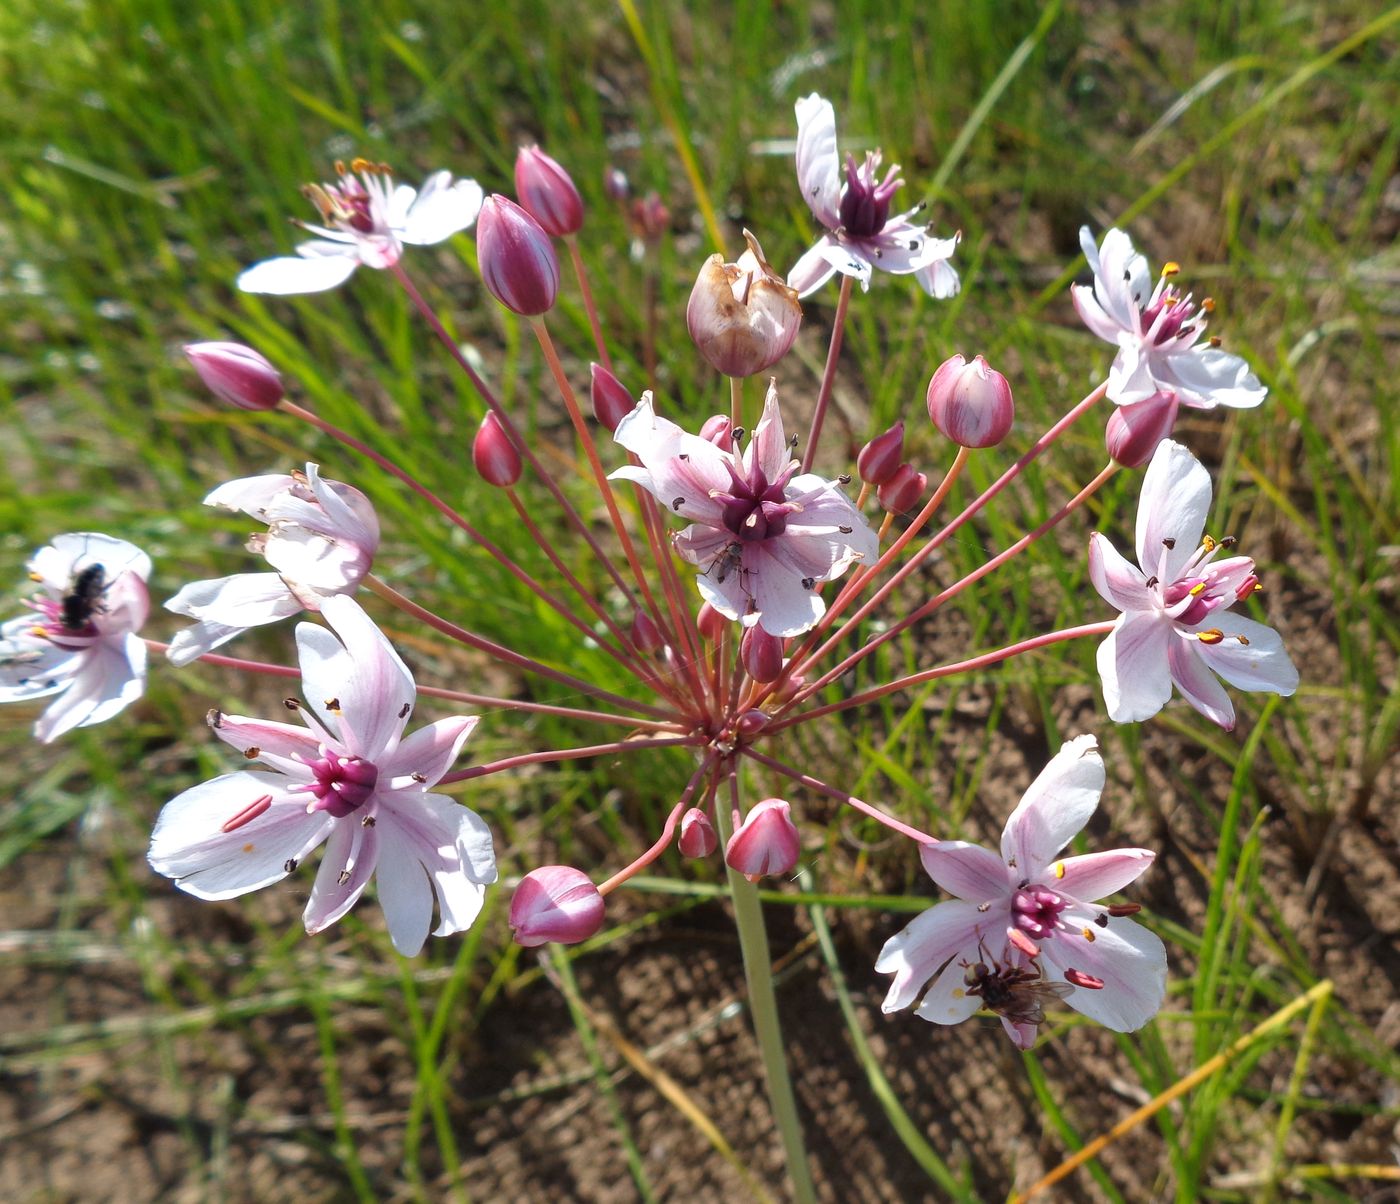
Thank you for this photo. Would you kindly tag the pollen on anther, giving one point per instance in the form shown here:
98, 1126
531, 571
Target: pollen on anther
252, 752
1208, 304
1212, 635
1171, 268
1059, 869
1214, 341
1089, 935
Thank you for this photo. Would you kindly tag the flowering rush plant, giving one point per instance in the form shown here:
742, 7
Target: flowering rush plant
746, 569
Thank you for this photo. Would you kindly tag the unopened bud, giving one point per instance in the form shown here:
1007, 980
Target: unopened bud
880, 459
611, 400
901, 493
789, 689
555, 903
970, 403
762, 654
711, 623
719, 430
750, 723
698, 837
1135, 430
494, 455
650, 217
766, 843
646, 636
616, 184
547, 193
516, 256
237, 374
742, 316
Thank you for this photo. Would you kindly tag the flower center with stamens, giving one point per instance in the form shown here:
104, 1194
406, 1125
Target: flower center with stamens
342, 785
1035, 910
755, 509
865, 205
1167, 316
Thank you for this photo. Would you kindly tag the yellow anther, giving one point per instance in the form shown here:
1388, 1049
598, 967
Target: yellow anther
1171, 268
1214, 342
1208, 543
35, 577
1212, 635
1059, 868
1258, 588
1089, 935
1198, 588
358, 165
1243, 639
1208, 305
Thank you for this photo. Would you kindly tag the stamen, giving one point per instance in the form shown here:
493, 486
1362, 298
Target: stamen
291, 704
1087, 981
404, 710
248, 814
1059, 868
1088, 935
809, 582
1101, 919
333, 705
1208, 543
1023, 942
1124, 909
368, 822
289, 865
677, 503
215, 718
1171, 268
844, 479
1214, 341
1169, 543
1211, 636
252, 752
1208, 304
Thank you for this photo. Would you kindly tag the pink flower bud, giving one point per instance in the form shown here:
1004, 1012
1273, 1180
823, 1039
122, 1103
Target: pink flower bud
880, 459
970, 403
766, 842
711, 623
650, 217
611, 400
555, 903
718, 429
789, 690
547, 193
616, 184
494, 455
646, 636
901, 493
761, 653
698, 837
237, 374
742, 316
750, 723
517, 259
1134, 431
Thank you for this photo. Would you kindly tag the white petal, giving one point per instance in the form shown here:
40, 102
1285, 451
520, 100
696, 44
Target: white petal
110, 678
1130, 376
1206, 377
917, 953
1173, 505
818, 165
1057, 805
1198, 685
292, 274
1092, 313
190, 643
252, 495
69, 554
947, 1001
1130, 960
348, 863
428, 753
1132, 664
1119, 583
1095, 875
405, 892
811, 271
1262, 664
966, 870
243, 600
442, 209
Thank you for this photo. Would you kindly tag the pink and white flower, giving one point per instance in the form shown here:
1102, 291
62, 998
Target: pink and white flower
321, 540
861, 235
1031, 910
348, 779
366, 219
1174, 628
1158, 333
80, 640
765, 535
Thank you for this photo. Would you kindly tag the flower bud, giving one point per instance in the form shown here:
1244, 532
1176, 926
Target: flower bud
762, 654
555, 903
494, 455
742, 316
750, 723
711, 623
646, 636
650, 217
970, 403
611, 400
880, 459
766, 842
901, 493
785, 693
1134, 431
698, 837
547, 193
719, 430
517, 259
616, 183
237, 374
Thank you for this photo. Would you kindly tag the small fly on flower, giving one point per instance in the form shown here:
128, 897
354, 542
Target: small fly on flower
83, 598
1014, 992
730, 559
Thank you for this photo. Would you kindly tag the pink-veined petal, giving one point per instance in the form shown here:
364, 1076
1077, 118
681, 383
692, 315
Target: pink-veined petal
1122, 283
811, 271
347, 864
937, 277
1092, 314
1130, 960
769, 442
455, 845
1206, 377
188, 843
1119, 582
405, 892
1198, 685
1095, 875
68, 554
1057, 805
252, 495
1022, 1035
1261, 664
1132, 664
110, 677
33, 667
243, 600
190, 643
1173, 505
786, 606
285, 747
1130, 376
442, 209
947, 1000
967, 871
289, 275
702, 545
818, 165
424, 756
847, 257
362, 673
920, 950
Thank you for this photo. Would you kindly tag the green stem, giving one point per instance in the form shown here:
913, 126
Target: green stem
763, 1006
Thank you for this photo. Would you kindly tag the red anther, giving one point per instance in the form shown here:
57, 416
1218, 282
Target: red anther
248, 814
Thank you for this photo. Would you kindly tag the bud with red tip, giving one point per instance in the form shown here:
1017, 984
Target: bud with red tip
762, 654
1135, 430
742, 316
880, 459
698, 837
555, 903
237, 374
766, 842
646, 636
494, 454
611, 400
970, 403
517, 259
547, 193
711, 623
901, 493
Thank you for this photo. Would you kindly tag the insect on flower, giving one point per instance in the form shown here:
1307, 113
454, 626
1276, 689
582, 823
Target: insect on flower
1016, 993
83, 599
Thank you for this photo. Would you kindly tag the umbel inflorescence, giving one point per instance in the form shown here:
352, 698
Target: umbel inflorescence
744, 570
